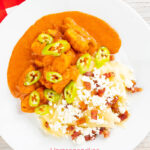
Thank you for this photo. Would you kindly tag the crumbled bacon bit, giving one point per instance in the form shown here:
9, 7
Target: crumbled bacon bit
105, 132
81, 121
87, 85
97, 85
70, 128
88, 137
94, 113
101, 130
94, 92
75, 135
124, 116
95, 81
109, 75
76, 116
66, 106
115, 100
112, 57
46, 124
115, 108
134, 89
101, 92
83, 106
89, 74
134, 83
113, 104
94, 132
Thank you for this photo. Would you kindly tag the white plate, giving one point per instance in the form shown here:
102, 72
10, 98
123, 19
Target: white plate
22, 131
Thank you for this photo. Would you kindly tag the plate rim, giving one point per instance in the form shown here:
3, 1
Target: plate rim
132, 10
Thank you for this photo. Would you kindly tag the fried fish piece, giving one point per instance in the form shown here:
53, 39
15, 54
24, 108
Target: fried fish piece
79, 38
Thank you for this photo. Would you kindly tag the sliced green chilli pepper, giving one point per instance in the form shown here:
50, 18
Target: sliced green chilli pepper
32, 77
102, 56
70, 92
57, 48
34, 99
43, 37
84, 62
54, 77
42, 110
51, 95
64, 45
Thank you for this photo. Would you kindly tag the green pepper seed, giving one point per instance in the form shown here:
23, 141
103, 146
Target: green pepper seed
51, 95
57, 48
42, 110
43, 37
51, 49
64, 45
32, 77
70, 92
53, 77
83, 63
102, 56
34, 99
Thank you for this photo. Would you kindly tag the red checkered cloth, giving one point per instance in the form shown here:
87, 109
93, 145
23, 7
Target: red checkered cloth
4, 4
